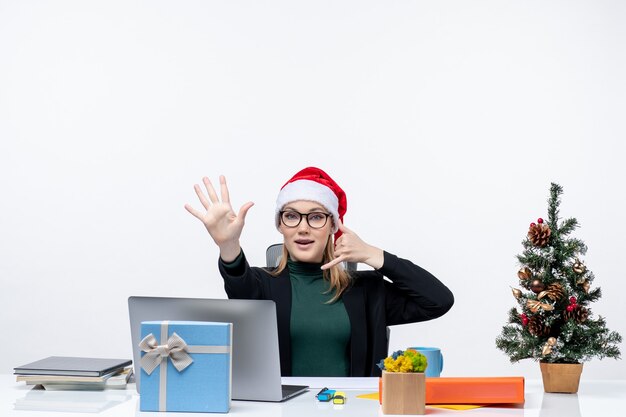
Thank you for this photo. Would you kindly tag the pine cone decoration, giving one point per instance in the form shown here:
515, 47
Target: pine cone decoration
578, 313
553, 291
537, 327
539, 234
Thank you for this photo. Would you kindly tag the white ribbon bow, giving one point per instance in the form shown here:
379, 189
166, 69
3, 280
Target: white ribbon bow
175, 349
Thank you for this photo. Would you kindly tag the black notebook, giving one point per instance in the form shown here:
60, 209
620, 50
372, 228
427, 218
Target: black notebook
72, 366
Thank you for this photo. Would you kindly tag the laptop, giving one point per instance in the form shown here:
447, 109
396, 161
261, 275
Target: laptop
255, 357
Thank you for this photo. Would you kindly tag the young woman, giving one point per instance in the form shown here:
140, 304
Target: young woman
331, 322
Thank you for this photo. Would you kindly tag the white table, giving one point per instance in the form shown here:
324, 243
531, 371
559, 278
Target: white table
594, 399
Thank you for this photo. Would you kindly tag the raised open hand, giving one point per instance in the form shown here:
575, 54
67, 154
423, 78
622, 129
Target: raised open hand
220, 220
350, 248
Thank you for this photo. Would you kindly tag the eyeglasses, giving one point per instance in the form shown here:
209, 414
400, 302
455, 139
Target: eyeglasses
315, 219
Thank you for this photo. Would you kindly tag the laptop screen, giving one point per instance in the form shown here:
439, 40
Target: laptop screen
256, 361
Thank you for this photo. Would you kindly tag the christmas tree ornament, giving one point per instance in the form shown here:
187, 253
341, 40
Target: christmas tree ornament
535, 306
539, 234
539, 220
572, 305
547, 348
516, 293
537, 286
524, 319
583, 282
553, 291
524, 274
537, 326
579, 267
577, 313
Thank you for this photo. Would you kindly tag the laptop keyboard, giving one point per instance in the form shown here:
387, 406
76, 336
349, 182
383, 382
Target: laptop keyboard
289, 390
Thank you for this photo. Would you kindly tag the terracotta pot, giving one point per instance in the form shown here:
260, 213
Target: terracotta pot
404, 393
561, 377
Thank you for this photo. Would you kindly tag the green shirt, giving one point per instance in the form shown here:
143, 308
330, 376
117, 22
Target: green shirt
320, 332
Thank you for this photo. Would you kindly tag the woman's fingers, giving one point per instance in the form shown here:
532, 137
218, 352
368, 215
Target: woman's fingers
213, 199
342, 252
244, 210
333, 262
343, 228
193, 211
350, 247
224, 190
201, 196
210, 190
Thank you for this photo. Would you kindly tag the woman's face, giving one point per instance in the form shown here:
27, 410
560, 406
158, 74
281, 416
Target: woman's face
304, 243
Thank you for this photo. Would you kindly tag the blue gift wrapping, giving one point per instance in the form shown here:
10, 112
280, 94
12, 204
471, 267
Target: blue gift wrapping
185, 366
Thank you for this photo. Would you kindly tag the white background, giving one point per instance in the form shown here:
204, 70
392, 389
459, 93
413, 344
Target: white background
445, 122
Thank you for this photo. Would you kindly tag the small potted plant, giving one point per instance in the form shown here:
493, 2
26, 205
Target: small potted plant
404, 382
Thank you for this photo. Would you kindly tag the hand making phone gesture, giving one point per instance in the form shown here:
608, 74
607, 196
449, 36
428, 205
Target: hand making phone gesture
220, 220
351, 248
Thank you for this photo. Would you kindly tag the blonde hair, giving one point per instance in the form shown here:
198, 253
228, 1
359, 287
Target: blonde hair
338, 277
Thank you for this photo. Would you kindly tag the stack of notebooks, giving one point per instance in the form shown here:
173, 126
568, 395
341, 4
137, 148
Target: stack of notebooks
75, 373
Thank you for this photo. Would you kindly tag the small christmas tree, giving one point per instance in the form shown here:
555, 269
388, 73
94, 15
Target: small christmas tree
554, 322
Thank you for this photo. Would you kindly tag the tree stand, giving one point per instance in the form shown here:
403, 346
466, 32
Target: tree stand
561, 377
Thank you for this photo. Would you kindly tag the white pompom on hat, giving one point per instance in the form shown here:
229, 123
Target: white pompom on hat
313, 184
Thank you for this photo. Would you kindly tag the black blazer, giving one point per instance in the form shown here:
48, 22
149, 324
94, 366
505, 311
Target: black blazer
372, 303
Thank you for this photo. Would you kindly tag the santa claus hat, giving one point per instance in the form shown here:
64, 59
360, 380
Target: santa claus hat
313, 184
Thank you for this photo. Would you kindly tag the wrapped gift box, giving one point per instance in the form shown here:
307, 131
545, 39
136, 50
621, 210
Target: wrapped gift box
185, 366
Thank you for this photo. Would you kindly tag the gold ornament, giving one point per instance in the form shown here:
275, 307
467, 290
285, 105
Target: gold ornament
534, 306
537, 286
524, 274
547, 348
579, 267
585, 284
516, 293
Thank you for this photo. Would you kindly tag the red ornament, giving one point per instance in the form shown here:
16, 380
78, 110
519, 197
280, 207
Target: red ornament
533, 224
524, 318
570, 307
539, 220
572, 300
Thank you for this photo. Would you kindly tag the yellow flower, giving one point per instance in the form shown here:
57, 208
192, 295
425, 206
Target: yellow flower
408, 361
401, 364
406, 365
390, 364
